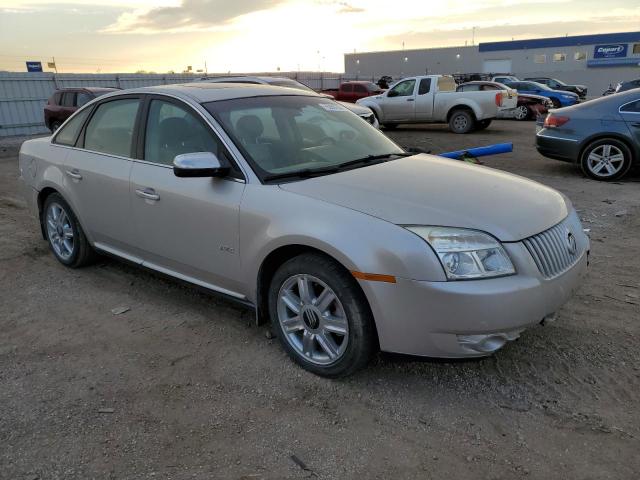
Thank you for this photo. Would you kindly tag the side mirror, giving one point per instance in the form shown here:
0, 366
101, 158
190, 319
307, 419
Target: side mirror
392, 93
198, 164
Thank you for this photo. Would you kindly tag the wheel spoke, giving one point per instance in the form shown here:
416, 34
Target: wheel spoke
307, 343
328, 345
62, 217
324, 300
335, 324
598, 167
304, 289
606, 150
291, 301
594, 157
293, 324
610, 169
617, 158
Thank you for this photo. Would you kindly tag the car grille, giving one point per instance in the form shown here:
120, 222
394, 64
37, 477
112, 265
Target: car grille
553, 251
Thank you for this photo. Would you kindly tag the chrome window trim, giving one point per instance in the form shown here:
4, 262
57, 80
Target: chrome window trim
92, 151
625, 104
539, 134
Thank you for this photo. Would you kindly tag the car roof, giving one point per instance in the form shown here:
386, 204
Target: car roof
89, 89
482, 82
203, 92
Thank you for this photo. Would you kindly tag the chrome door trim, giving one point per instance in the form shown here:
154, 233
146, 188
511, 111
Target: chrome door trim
166, 271
556, 138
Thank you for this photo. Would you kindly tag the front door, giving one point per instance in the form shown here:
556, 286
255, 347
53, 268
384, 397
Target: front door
399, 102
187, 227
630, 112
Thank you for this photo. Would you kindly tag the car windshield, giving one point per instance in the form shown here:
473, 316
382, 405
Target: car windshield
300, 135
558, 82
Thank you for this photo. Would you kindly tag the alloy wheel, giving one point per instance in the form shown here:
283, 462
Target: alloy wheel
60, 231
460, 123
521, 112
312, 319
605, 160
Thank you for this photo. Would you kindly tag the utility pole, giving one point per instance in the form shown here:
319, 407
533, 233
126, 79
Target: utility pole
473, 36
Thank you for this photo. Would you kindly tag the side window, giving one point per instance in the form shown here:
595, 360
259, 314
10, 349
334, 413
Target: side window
425, 86
488, 87
633, 107
68, 134
68, 99
347, 87
446, 84
404, 89
173, 130
360, 89
82, 98
110, 129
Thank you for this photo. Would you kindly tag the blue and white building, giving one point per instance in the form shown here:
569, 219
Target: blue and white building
591, 60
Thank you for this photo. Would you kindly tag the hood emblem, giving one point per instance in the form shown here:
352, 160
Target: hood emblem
572, 247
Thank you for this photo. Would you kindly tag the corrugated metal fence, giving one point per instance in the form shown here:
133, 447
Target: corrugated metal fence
23, 95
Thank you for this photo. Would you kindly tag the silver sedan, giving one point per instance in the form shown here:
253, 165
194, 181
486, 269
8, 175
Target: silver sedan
288, 202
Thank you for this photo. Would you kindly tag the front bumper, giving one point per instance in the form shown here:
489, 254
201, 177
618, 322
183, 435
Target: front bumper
469, 318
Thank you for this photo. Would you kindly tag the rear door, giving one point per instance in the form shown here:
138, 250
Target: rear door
630, 113
187, 227
400, 102
424, 101
98, 171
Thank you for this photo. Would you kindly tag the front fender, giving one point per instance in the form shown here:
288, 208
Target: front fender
369, 103
271, 218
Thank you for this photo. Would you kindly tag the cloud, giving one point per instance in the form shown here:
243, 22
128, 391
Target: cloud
348, 8
191, 15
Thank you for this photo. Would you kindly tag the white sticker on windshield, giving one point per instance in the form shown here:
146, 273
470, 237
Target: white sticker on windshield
333, 107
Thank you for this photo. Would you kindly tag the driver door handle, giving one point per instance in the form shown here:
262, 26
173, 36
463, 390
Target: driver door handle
147, 193
74, 174
411, 99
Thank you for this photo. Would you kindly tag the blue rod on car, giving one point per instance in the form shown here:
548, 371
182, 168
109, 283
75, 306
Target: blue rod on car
479, 151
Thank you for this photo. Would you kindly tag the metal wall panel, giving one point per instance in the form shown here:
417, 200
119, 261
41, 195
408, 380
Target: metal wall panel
23, 95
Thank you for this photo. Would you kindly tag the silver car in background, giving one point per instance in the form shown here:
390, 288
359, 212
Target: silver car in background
288, 202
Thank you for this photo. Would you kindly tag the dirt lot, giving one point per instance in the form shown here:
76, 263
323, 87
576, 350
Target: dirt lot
183, 386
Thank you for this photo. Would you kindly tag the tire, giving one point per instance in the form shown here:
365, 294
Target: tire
390, 126
335, 348
73, 250
606, 159
482, 124
522, 113
55, 125
461, 121
556, 103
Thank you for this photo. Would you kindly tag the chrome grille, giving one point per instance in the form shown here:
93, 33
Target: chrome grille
551, 250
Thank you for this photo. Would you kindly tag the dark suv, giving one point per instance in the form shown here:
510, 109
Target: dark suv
555, 84
65, 101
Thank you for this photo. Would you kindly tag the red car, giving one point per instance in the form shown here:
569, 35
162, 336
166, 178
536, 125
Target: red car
65, 101
354, 90
528, 106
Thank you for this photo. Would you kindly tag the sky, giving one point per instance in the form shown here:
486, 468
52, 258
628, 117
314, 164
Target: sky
110, 36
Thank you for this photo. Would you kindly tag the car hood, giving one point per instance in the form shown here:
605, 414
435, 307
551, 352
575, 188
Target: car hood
357, 109
429, 190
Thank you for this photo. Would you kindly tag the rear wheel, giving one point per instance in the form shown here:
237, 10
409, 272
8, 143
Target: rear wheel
556, 103
606, 159
321, 316
521, 112
461, 121
64, 233
390, 126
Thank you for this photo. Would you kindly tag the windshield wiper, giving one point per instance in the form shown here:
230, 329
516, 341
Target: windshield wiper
312, 172
371, 158
304, 173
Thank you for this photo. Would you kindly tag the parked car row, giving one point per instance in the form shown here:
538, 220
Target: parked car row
526, 106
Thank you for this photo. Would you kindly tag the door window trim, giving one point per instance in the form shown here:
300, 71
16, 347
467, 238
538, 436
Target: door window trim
81, 138
236, 169
80, 130
628, 111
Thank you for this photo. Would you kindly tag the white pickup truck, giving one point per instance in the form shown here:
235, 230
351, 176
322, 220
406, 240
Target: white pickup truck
433, 99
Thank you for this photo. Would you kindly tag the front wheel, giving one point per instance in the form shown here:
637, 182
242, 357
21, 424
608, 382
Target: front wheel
521, 112
64, 233
607, 159
321, 316
461, 121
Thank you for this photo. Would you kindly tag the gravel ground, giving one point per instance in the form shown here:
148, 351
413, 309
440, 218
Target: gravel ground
184, 386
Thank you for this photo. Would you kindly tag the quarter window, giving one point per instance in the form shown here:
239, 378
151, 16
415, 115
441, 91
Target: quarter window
68, 134
540, 58
633, 107
110, 129
425, 86
172, 131
404, 89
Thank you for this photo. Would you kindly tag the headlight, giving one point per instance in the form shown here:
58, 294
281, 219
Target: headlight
466, 253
